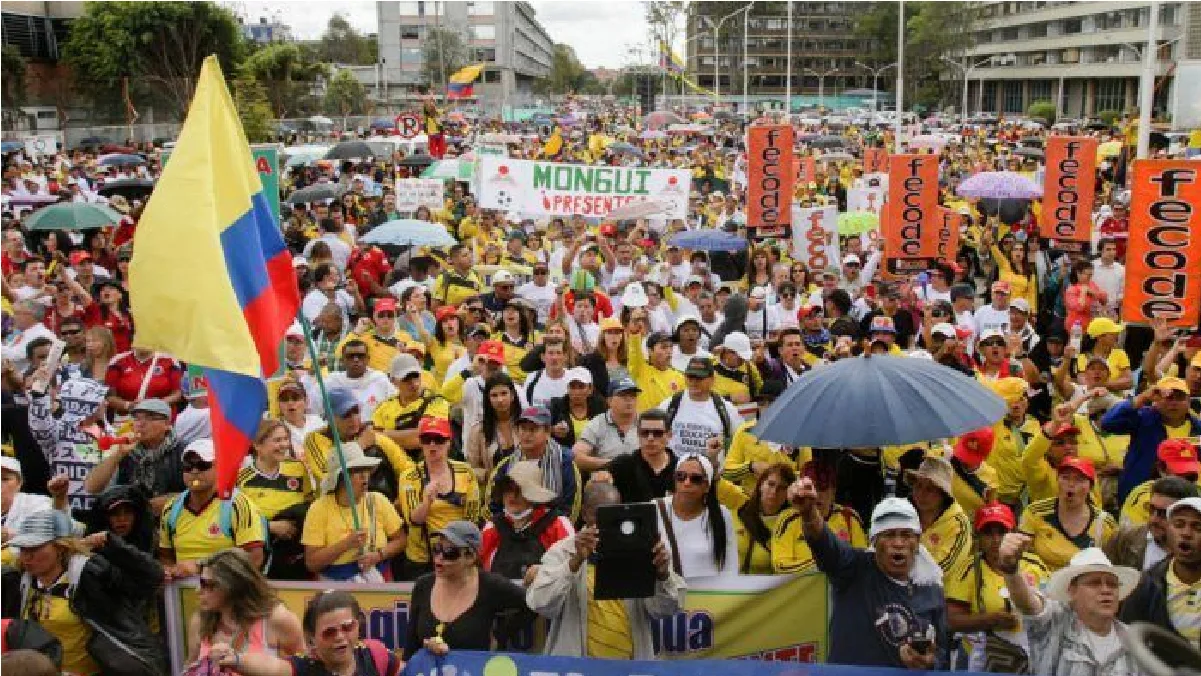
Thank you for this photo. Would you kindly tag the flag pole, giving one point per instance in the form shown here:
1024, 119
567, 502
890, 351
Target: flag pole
329, 416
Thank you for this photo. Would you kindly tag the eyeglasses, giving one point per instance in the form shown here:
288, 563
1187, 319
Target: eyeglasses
69, 332
387, 314
447, 552
354, 355
208, 584
283, 398
652, 434
992, 343
196, 466
1159, 512
697, 479
433, 439
347, 627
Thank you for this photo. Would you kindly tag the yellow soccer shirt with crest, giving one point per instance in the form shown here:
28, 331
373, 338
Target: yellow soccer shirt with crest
1051, 544
746, 448
949, 539
195, 536
461, 504
291, 485
317, 446
983, 589
328, 523
790, 552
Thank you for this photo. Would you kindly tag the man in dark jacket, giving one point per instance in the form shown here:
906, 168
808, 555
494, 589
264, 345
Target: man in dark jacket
1163, 596
1141, 546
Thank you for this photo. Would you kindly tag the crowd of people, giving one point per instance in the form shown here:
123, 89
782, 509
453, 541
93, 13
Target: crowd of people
480, 403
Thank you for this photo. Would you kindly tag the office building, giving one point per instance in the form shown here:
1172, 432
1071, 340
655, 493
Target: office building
1086, 56
266, 31
505, 36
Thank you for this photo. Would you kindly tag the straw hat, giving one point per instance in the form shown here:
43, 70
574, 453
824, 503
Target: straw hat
1091, 560
355, 459
935, 470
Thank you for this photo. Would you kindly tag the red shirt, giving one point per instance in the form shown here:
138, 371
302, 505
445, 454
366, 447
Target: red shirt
125, 374
1119, 230
367, 266
121, 326
604, 306
559, 529
125, 230
54, 318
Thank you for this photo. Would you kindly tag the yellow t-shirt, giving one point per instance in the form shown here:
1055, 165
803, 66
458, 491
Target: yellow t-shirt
380, 351
290, 486
790, 552
656, 384
514, 353
1179, 431
609, 635
949, 539
392, 415
328, 522
745, 449
317, 447
198, 536
979, 587
463, 504
452, 288
1184, 606
967, 496
760, 556
51, 609
1051, 544
443, 355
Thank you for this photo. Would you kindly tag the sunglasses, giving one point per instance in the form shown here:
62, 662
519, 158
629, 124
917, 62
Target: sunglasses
347, 627
788, 295
354, 355
69, 332
290, 397
197, 466
447, 552
652, 434
696, 479
938, 313
432, 439
208, 584
992, 343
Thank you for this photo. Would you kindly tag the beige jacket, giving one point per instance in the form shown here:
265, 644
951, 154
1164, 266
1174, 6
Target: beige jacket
561, 596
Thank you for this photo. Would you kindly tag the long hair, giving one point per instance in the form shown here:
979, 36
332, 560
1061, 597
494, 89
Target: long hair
717, 520
491, 418
523, 324
105, 336
619, 353
1025, 270
751, 512
568, 350
440, 333
249, 596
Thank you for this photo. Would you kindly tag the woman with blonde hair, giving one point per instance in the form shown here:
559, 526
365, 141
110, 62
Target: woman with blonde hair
236, 606
99, 348
89, 594
280, 486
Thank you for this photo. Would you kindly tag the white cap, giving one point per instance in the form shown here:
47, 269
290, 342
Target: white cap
850, 258
201, 448
634, 296
694, 279
579, 374
894, 514
759, 292
990, 333
1020, 304
943, 329
294, 330
684, 319
738, 343
10, 464
403, 365
502, 277
300, 261
1192, 503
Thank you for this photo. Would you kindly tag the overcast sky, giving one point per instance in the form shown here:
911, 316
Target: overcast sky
598, 30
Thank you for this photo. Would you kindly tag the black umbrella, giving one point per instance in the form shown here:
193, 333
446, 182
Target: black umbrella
417, 160
94, 141
350, 150
1035, 153
828, 141
316, 193
129, 188
1008, 210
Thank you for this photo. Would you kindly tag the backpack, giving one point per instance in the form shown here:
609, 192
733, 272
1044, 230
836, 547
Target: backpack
225, 519
531, 384
518, 551
718, 403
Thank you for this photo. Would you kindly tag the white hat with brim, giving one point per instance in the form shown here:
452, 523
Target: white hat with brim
634, 296
355, 459
1091, 560
527, 476
894, 514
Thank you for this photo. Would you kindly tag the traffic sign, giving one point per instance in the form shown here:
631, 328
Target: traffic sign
408, 124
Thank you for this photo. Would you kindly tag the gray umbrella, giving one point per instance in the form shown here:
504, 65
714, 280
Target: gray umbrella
316, 193
867, 402
417, 160
1035, 153
350, 150
828, 141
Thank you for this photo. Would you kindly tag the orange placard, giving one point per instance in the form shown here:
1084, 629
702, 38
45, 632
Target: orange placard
1069, 190
770, 183
912, 219
804, 167
875, 160
1163, 257
948, 234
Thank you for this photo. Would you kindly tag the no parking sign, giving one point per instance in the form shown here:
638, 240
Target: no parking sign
408, 125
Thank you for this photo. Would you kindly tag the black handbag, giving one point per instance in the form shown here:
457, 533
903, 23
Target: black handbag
1001, 656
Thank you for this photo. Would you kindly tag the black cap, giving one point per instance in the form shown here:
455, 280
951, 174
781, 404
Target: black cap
962, 291
656, 338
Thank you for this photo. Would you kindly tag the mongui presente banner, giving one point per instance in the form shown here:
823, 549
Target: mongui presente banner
556, 189
1163, 256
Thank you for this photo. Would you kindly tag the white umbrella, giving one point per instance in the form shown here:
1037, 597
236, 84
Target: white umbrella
641, 209
320, 119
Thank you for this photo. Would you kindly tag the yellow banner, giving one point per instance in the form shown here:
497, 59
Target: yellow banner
778, 618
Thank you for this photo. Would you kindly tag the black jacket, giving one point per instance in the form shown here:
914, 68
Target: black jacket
1149, 600
144, 533
114, 585
560, 411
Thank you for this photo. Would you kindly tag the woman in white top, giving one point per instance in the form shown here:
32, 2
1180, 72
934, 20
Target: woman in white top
293, 406
15, 504
700, 531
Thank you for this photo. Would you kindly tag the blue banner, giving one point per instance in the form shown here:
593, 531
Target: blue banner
470, 663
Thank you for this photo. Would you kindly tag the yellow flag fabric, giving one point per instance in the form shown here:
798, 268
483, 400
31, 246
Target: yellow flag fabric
468, 74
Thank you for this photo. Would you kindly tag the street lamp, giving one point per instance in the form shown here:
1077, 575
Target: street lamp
967, 71
821, 83
717, 48
875, 81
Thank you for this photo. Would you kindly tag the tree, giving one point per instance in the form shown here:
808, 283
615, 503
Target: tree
254, 109
345, 95
341, 43
567, 74
1043, 109
12, 77
442, 52
287, 73
159, 46
663, 20
932, 30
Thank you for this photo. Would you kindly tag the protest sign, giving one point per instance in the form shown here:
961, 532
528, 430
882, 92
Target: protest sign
867, 199
815, 236
41, 146
557, 189
417, 192
911, 223
805, 169
1163, 256
875, 160
948, 234
769, 176
1068, 191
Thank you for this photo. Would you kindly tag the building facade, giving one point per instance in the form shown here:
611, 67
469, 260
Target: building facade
505, 36
1084, 56
826, 53
266, 31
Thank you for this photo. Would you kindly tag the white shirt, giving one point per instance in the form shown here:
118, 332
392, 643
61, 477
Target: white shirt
696, 422
695, 542
1112, 280
545, 389
1153, 554
541, 297
787, 316
339, 250
316, 300
312, 423
710, 328
967, 320
583, 333
371, 389
990, 318
679, 360
762, 321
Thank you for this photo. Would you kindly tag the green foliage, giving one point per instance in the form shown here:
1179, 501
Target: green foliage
443, 52
1043, 109
345, 95
12, 76
567, 74
159, 46
1109, 116
254, 109
932, 30
663, 19
287, 74
341, 43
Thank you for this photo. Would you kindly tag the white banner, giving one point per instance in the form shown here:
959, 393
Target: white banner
416, 192
558, 189
815, 237
41, 146
866, 199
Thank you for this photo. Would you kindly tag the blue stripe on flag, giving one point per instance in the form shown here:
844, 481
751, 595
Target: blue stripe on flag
242, 399
244, 252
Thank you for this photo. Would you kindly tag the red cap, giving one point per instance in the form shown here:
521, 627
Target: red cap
807, 311
492, 350
1082, 465
646, 242
994, 512
446, 311
1062, 430
973, 448
1001, 286
385, 304
1179, 456
962, 332
430, 425
78, 257
608, 230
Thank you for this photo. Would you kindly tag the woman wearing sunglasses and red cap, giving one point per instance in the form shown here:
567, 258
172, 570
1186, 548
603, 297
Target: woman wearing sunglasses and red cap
978, 604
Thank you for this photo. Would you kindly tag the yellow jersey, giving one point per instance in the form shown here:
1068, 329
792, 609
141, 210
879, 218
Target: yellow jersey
291, 485
1008, 453
745, 449
973, 489
462, 504
453, 288
51, 609
1051, 544
754, 557
983, 590
656, 384
790, 552
329, 522
380, 350
949, 539
317, 446
744, 380
193, 536
391, 415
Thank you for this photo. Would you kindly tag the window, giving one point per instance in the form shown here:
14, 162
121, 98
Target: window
1111, 94
480, 8
1040, 90
492, 76
483, 32
485, 54
410, 56
1009, 34
1038, 30
988, 102
409, 8
1071, 55
1013, 97
410, 32
1168, 16
1071, 26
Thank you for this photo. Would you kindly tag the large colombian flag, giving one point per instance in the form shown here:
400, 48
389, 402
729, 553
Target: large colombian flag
211, 281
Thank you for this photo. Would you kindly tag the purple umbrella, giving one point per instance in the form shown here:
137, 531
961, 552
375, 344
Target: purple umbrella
1000, 185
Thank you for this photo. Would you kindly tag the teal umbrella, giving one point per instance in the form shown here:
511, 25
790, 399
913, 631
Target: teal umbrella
72, 216
457, 169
